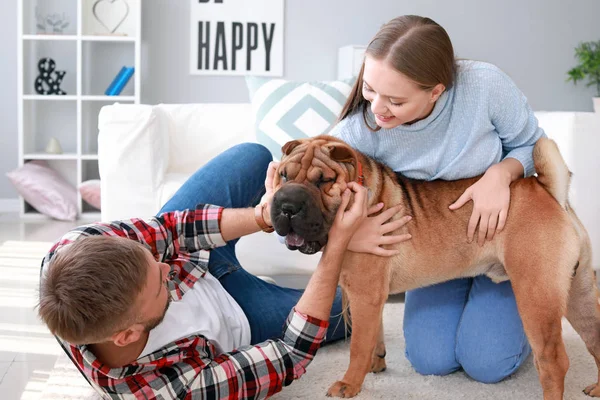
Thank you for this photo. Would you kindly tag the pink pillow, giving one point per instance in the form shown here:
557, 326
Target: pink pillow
45, 190
90, 192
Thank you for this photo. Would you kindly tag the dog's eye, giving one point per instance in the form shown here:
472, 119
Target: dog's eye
283, 176
323, 181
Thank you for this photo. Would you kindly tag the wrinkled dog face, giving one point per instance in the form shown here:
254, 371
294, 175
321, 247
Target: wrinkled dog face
311, 177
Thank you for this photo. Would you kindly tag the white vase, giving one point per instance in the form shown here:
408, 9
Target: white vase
54, 147
597, 104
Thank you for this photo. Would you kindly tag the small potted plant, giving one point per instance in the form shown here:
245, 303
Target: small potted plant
588, 55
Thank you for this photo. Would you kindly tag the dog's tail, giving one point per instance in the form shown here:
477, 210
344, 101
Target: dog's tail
552, 170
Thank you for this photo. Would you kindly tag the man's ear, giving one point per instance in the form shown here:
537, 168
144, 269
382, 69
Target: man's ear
289, 146
128, 336
341, 153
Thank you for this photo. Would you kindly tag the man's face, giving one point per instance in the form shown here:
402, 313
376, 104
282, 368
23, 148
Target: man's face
154, 299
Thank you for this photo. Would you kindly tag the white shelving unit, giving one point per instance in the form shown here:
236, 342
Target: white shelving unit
91, 59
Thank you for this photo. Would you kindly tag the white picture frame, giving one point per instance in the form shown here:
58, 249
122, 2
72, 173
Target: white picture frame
236, 37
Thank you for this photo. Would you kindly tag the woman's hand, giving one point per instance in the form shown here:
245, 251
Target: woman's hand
268, 196
371, 234
491, 201
347, 221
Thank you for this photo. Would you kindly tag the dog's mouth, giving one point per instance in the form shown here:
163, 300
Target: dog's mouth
294, 241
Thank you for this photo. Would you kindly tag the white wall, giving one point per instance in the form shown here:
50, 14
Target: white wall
531, 40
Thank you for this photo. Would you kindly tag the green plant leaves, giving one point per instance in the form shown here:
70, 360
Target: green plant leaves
588, 56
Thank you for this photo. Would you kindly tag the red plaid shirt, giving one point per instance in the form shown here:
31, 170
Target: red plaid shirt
190, 368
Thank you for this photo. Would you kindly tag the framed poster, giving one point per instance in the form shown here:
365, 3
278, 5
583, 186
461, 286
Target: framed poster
237, 37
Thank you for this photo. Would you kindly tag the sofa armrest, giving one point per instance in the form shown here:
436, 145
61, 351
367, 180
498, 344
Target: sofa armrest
133, 156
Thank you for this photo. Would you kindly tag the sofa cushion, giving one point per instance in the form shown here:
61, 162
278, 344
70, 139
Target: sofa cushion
286, 110
199, 132
90, 192
45, 190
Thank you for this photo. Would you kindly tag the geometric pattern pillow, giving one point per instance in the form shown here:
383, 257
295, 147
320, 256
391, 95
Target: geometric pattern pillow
287, 110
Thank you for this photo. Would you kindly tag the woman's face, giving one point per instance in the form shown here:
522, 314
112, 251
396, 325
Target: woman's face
394, 98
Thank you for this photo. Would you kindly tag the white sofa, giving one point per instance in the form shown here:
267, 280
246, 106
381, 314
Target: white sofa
147, 152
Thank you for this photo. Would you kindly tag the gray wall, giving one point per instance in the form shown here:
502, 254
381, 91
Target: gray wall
531, 40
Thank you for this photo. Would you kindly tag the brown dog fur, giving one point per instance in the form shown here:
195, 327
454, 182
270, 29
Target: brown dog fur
538, 250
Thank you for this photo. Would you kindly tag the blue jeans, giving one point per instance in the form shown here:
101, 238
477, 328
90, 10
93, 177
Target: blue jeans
235, 179
471, 324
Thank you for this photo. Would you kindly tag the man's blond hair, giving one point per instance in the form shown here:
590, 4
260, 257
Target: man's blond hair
90, 288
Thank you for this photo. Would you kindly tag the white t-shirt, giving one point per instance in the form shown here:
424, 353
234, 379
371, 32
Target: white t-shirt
206, 309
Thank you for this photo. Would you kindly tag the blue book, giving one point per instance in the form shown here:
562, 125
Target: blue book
111, 87
120, 81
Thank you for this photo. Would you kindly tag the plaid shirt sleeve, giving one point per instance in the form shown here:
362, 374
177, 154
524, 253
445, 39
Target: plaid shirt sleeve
188, 231
188, 369
258, 372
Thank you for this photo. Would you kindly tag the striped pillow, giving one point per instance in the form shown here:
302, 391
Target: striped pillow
287, 110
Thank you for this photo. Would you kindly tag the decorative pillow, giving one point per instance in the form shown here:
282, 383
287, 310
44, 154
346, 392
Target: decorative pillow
287, 110
45, 190
90, 192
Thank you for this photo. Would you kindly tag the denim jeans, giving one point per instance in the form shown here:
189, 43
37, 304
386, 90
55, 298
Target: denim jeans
469, 323
235, 179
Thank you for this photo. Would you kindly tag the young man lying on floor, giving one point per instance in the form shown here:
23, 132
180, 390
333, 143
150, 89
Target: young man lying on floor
161, 308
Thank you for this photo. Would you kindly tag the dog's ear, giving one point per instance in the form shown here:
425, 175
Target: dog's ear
289, 146
341, 153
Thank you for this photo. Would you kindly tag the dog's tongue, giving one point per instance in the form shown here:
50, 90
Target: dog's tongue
292, 239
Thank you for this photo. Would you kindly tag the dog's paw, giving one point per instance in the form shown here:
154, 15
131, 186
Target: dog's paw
343, 390
378, 364
592, 390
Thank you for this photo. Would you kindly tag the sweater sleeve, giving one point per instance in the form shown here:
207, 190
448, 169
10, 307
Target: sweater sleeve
513, 119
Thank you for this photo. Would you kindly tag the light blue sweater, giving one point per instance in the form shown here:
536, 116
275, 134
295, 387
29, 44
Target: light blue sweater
481, 120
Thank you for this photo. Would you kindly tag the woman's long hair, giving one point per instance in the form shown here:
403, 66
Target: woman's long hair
415, 46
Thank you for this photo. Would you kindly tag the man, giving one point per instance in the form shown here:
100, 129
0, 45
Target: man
161, 309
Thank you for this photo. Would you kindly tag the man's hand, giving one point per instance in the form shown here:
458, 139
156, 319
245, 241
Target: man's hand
347, 221
372, 233
319, 294
268, 196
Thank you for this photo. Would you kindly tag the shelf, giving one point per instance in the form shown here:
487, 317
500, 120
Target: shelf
49, 37
52, 97
107, 38
33, 215
101, 62
63, 53
44, 120
72, 97
127, 21
85, 38
41, 17
44, 156
108, 98
90, 216
67, 32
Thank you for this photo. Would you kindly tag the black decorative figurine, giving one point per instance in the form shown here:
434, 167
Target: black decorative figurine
50, 77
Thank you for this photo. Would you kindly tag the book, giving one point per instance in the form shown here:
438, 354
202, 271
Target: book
116, 86
111, 87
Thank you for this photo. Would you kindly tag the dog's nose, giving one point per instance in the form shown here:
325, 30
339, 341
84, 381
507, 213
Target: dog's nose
289, 209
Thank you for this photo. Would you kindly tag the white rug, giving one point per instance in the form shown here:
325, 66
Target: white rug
398, 381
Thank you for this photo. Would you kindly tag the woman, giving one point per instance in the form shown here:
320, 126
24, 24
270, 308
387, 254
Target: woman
428, 116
